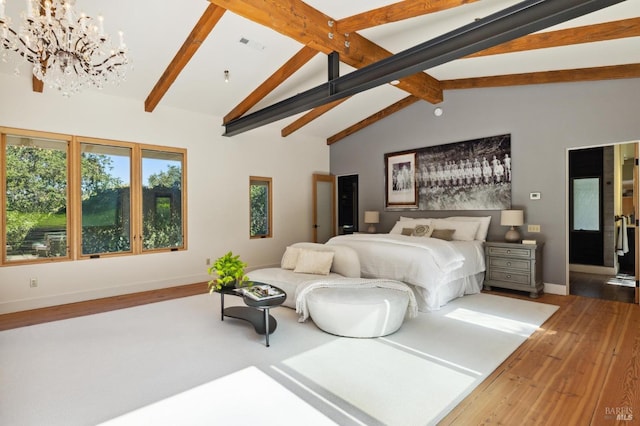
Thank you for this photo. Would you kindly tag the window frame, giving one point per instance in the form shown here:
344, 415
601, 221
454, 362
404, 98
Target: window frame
183, 196
268, 182
74, 195
67, 139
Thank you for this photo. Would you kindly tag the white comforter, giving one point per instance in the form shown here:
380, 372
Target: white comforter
428, 263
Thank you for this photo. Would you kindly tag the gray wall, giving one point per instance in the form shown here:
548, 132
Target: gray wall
543, 120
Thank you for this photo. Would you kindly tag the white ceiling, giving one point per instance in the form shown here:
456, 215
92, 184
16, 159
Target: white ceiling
155, 30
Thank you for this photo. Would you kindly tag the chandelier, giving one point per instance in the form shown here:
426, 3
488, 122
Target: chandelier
68, 51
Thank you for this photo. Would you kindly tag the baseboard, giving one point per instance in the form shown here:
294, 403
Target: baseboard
593, 269
561, 290
82, 296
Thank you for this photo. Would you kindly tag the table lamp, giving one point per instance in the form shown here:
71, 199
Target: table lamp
371, 217
512, 218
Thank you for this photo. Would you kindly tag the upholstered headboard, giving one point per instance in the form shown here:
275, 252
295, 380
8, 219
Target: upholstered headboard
345, 259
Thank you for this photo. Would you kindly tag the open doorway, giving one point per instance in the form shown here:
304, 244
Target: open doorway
347, 204
602, 235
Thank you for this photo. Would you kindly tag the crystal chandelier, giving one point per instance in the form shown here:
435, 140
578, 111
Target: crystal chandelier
68, 51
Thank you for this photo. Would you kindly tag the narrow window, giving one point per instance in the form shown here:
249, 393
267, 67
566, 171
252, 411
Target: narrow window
106, 199
162, 205
260, 207
36, 199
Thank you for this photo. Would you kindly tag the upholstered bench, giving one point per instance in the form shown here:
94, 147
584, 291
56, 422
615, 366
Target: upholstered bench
358, 312
345, 263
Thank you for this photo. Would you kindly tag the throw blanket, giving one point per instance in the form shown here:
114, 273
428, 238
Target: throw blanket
305, 288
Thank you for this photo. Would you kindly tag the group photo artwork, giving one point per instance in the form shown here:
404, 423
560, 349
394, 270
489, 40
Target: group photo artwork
469, 175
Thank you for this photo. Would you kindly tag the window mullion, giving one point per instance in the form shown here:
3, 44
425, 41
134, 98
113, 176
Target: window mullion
136, 199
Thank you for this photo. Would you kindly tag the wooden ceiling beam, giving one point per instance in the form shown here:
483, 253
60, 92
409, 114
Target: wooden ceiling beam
392, 109
303, 56
309, 117
578, 35
310, 27
392, 13
205, 24
544, 77
395, 12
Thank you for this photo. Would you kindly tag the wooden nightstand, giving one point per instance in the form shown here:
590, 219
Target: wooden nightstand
514, 266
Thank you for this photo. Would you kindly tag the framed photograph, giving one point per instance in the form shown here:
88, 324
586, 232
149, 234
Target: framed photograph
401, 180
467, 175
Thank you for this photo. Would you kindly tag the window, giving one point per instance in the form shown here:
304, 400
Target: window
161, 199
260, 207
67, 197
106, 198
36, 198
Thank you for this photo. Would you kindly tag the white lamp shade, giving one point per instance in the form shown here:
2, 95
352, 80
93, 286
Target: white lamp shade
511, 217
371, 217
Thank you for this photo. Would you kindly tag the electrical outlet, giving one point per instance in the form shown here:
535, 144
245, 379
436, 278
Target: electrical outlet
533, 228
33, 282
208, 261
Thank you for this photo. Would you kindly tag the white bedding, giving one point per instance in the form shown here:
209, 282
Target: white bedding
430, 264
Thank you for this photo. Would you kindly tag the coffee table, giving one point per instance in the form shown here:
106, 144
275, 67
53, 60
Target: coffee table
256, 312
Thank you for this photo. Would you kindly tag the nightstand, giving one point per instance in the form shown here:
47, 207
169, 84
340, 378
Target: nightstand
514, 266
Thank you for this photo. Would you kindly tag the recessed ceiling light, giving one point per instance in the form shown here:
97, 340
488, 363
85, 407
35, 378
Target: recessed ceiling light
438, 112
394, 82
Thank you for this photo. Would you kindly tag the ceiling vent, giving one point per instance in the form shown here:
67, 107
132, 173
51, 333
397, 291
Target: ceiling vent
252, 44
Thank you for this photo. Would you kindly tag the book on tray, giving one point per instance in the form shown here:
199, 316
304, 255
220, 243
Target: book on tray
261, 292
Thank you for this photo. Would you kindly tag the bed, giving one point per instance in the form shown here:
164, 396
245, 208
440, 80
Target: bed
441, 259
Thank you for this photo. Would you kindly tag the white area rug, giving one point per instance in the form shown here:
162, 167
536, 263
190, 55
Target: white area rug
417, 375
90, 370
268, 404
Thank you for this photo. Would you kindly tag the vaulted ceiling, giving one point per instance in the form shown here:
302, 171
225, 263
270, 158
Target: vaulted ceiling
274, 49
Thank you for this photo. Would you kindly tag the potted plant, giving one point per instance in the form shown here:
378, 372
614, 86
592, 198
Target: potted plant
229, 272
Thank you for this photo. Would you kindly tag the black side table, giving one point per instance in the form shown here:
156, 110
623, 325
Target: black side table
256, 312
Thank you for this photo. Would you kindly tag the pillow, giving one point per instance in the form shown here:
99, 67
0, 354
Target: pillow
345, 259
463, 231
422, 231
483, 228
314, 262
443, 234
290, 258
408, 231
407, 222
405, 218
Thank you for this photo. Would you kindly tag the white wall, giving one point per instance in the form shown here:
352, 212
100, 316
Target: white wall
218, 193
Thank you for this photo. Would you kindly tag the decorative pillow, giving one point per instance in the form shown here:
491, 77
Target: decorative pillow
290, 258
408, 231
422, 231
443, 234
406, 222
463, 231
483, 227
314, 262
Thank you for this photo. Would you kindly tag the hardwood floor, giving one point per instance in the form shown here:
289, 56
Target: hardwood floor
582, 367
594, 285
55, 313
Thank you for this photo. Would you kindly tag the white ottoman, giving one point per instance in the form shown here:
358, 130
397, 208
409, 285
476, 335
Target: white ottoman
358, 312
